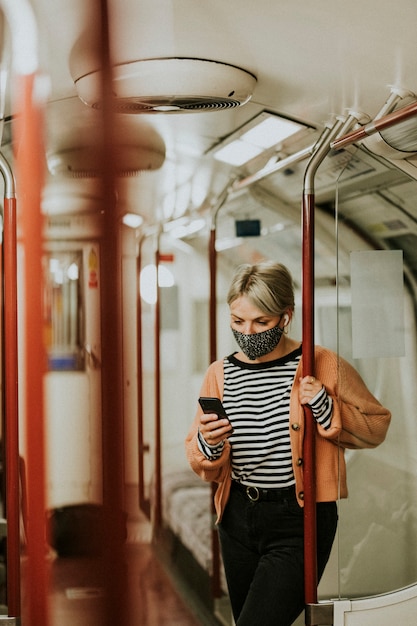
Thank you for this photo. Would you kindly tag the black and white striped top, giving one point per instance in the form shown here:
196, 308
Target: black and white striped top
257, 399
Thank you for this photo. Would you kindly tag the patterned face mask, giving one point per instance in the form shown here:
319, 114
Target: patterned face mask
258, 344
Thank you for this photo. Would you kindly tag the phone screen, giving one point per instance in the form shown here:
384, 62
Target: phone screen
213, 405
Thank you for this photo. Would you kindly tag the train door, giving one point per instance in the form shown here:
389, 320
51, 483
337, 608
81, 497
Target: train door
72, 384
73, 380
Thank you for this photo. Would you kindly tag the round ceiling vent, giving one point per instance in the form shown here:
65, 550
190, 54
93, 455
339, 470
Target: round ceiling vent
85, 161
172, 85
137, 147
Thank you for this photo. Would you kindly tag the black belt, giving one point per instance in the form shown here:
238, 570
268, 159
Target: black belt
258, 494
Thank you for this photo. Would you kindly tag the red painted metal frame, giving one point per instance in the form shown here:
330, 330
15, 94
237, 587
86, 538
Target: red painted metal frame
215, 548
213, 296
11, 435
157, 511
29, 168
112, 566
212, 254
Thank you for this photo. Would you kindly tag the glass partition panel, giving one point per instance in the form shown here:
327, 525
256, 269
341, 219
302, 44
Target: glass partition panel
375, 329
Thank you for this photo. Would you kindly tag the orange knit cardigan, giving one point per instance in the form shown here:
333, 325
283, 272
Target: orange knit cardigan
358, 421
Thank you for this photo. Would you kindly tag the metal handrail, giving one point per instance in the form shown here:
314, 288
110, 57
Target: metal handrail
308, 200
375, 126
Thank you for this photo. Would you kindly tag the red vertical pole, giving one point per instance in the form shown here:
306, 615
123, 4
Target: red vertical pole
310, 557
113, 567
215, 548
158, 478
11, 439
29, 167
310, 541
213, 295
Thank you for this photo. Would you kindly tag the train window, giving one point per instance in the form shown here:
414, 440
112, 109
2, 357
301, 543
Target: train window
63, 310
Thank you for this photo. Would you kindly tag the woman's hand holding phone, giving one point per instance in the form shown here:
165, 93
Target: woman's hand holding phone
214, 423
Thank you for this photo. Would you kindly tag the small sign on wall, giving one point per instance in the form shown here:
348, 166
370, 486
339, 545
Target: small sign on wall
92, 269
377, 303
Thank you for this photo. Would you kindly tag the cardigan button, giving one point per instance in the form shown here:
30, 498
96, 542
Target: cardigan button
301, 495
295, 426
299, 462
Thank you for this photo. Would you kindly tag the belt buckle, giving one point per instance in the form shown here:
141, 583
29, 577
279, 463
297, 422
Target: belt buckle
252, 493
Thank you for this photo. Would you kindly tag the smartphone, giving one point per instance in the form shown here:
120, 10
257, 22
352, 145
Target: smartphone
213, 405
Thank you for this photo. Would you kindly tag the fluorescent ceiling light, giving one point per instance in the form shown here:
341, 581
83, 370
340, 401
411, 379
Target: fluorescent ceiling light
238, 152
227, 243
261, 136
182, 227
133, 220
270, 132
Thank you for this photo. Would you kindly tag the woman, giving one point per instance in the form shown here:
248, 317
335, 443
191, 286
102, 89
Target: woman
257, 457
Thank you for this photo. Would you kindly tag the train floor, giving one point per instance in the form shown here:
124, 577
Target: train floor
155, 598
76, 600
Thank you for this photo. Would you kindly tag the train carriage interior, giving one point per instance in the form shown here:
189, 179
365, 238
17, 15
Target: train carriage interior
147, 150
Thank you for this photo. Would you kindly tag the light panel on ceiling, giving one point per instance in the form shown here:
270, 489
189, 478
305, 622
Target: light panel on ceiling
259, 135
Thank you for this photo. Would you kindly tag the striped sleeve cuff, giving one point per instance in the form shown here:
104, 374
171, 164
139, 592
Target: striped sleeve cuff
322, 406
210, 452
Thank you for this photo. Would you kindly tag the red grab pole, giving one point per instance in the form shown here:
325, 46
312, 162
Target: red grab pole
215, 547
28, 103
112, 566
310, 558
310, 543
11, 438
212, 254
158, 431
29, 167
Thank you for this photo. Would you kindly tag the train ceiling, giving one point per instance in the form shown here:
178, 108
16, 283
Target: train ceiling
308, 61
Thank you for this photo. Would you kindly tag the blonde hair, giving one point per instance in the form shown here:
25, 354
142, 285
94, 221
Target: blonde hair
268, 285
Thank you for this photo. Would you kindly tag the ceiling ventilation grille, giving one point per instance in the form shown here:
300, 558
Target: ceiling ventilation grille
173, 104
170, 85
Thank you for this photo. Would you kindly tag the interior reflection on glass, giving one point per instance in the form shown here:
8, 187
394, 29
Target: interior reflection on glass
63, 310
374, 552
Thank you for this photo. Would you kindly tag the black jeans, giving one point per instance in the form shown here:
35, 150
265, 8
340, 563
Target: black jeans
263, 554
